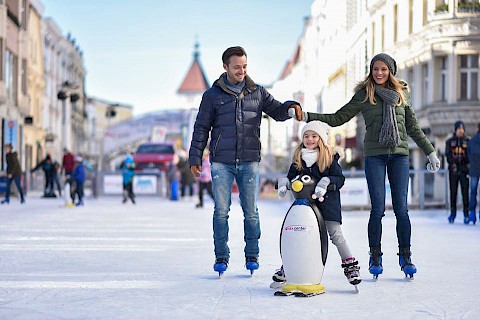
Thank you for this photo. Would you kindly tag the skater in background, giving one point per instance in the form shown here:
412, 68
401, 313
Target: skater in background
54, 181
79, 179
68, 165
205, 179
456, 153
128, 172
187, 179
473, 153
47, 167
173, 180
315, 157
385, 103
231, 111
14, 173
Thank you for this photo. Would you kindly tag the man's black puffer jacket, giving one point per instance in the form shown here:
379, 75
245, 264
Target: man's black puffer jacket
234, 122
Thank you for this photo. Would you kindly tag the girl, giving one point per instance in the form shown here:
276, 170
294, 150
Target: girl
384, 101
314, 156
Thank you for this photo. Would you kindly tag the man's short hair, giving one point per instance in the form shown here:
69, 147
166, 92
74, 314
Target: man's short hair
9, 145
232, 51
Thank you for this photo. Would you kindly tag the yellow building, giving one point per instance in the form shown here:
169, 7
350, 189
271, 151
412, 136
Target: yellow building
34, 132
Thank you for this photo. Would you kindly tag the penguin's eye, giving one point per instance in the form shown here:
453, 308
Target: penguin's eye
306, 179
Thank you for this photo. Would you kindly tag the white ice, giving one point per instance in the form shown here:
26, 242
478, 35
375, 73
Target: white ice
154, 261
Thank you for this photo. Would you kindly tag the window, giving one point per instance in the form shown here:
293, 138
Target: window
411, 83
383, 33
425, 12
395, 23
425, 89
24, 76
1, 56
410, 16
11, 76
443, 79
373, 37
469, 77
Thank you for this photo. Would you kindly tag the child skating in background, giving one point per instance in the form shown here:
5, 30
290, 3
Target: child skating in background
314, 156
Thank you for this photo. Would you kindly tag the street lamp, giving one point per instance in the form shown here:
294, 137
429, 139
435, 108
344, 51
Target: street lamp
67, 91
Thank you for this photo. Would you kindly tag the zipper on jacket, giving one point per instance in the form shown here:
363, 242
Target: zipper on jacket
216, 143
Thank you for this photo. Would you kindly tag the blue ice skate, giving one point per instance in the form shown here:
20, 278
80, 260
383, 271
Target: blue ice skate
220, 266
472, 217
251, 263
375, 263
405, 262
451, 218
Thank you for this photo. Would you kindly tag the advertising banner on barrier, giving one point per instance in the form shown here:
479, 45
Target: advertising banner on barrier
142, 184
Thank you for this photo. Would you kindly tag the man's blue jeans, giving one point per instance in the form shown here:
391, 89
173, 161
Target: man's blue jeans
396, 166
246, 175
19, 187
473, 193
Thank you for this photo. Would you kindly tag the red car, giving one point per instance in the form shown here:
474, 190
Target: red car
154, 156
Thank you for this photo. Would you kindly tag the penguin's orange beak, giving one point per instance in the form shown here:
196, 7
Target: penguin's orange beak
297, 186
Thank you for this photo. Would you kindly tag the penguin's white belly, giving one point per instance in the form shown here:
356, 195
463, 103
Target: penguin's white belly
301, 246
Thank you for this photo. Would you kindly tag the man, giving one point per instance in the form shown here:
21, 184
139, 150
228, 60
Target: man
456, 153
14, 172
231, 110
473, 153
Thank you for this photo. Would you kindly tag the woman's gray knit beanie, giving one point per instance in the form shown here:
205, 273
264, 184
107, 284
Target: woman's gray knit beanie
389, 61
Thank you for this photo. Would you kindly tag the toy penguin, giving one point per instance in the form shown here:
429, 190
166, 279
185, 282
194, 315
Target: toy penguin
303, 241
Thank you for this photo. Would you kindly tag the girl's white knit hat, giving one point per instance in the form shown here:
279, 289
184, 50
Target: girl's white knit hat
321, 128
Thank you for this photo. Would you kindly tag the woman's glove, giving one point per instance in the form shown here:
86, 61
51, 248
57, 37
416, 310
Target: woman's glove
292, 114
321, 188
282, 186
433, 162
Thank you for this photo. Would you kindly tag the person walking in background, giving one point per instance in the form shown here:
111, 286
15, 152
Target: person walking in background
317, 158
473, 154
187, 179
231, 110
456, 153
54, 181
128, 172
385, 104
14, 173
79, 179
205, 179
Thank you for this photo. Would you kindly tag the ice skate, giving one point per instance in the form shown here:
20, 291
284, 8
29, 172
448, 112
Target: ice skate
405, 262
472, 217
375, 263
220, 266
278, 279
251, 263
351, 269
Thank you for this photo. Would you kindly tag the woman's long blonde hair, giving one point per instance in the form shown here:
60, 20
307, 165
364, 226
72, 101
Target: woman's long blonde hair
325, 156
393, 83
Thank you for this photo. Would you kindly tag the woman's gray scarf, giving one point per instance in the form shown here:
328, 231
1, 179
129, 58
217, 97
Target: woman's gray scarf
389, 135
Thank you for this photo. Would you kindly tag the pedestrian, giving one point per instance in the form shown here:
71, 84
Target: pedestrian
79, 180
385, 104
187, 179
315, 157
456, 153
173, 178
54, 180
14, 173
231, 111
48, 169
205, 179
473, 153
68, 165
128, 172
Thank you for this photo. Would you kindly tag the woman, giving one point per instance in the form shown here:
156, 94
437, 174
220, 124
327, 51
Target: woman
384, 101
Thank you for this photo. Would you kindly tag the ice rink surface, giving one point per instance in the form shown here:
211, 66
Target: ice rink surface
154, 261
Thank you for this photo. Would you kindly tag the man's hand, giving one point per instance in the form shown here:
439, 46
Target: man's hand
9, 176
196, 169
296, 110
299, 115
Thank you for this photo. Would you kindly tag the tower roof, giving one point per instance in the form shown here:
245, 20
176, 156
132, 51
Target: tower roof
195, 81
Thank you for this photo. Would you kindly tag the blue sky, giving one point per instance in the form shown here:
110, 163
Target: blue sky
138, 52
